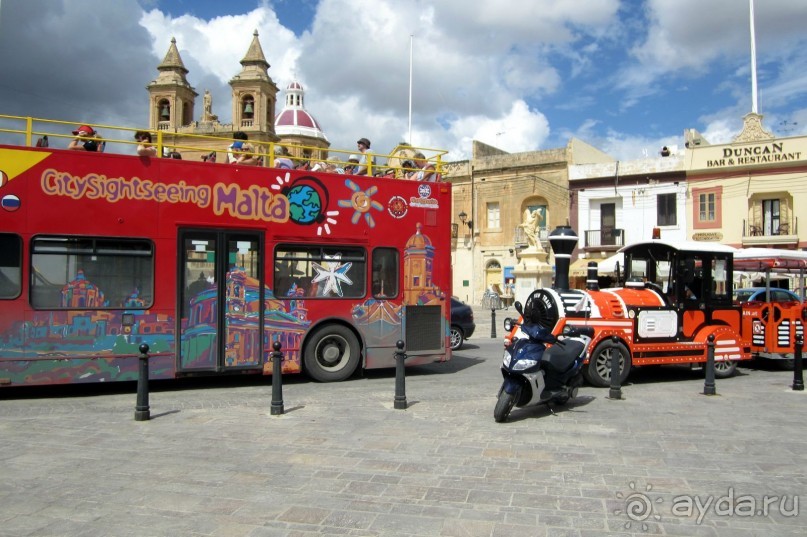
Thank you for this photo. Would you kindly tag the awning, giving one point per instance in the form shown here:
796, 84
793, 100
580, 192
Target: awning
508, 273
773, 259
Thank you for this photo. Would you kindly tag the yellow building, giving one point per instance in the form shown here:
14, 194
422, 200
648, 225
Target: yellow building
750, 192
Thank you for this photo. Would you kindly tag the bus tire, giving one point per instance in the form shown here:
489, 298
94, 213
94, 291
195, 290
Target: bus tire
331, 354
725, 369
598, 371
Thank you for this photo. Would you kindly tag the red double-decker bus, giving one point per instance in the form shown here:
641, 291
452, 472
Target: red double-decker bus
210, 264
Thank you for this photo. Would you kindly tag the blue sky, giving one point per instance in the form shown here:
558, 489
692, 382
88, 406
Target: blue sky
625, 76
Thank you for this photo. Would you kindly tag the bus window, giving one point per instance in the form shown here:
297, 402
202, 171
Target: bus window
320, 271
385, 273
10, 266
91, 273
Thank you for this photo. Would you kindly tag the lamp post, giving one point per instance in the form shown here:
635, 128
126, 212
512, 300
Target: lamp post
464, 219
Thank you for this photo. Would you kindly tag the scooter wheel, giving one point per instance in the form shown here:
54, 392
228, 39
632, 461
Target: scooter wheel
504, 405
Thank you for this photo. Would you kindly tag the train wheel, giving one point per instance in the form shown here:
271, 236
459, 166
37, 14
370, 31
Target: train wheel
504, 405
332, 354
598, 372
725, 369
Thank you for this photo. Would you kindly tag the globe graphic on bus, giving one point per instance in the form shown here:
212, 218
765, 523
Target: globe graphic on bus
305, 204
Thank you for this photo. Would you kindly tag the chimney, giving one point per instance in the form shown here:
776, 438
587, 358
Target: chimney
592, 283
563, 239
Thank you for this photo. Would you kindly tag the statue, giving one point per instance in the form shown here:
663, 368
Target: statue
532, 228
208, 106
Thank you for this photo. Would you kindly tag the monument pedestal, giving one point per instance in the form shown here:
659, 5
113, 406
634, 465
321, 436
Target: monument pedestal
531, 273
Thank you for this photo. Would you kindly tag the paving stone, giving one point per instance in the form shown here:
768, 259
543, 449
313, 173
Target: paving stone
343, 461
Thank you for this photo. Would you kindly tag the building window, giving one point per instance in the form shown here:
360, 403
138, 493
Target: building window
770, 217
706, 207
494, 221
666, 206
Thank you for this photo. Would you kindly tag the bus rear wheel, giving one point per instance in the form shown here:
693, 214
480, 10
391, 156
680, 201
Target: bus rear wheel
331, 354
598, 371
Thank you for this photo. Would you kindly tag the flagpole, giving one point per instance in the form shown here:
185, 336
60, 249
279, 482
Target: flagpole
411, 36
754, 107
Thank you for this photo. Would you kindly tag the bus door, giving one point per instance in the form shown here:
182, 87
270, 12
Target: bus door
220, 296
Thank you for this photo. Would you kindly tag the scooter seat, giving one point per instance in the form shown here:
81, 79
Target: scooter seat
560, 358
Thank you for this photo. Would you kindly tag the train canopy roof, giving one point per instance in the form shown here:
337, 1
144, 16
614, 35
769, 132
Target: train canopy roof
682, 246
773, 259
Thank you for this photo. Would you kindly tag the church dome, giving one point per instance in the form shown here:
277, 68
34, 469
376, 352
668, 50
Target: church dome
419, 241
294, 119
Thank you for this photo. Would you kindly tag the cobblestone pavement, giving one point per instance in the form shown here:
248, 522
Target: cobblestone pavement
341, 460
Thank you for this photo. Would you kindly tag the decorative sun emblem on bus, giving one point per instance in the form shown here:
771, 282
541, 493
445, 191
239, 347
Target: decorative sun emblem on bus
361, 202
282, 182
333, 272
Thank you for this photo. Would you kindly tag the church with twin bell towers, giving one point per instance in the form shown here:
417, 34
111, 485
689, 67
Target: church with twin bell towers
172, 100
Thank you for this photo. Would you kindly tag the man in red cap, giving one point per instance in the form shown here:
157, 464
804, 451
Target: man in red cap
86, 139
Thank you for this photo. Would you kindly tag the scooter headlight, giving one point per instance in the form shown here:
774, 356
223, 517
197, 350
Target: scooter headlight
506, 359
525, 364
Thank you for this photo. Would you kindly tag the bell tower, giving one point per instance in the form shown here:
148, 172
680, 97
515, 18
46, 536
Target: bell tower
254, 95
171, 97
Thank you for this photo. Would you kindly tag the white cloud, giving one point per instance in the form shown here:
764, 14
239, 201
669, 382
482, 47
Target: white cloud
510, 67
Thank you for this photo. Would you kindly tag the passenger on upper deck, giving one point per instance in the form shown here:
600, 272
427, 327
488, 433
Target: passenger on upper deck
408, 169
352, 162
145, 149
427, 171
82, 143
282, 159
364, 160
242, 152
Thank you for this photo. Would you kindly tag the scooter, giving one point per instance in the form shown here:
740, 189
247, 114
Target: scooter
535, 375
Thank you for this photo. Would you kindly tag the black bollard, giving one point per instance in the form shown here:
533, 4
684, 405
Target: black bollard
615, 392
400, 379
798, 364
142, 412
709, 384
277, 380
493, 321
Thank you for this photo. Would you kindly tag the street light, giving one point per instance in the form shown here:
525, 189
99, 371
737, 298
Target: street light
463, 217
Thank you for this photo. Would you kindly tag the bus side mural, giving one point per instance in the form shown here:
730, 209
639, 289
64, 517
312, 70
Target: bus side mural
210, 265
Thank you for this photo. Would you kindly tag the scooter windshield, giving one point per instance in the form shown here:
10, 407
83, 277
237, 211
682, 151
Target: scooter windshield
536, 332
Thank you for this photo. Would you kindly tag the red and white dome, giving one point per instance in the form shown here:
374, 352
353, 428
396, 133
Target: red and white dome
294, 119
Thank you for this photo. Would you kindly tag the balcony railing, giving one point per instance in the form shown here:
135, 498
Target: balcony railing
783, 233
756, 228
609, 238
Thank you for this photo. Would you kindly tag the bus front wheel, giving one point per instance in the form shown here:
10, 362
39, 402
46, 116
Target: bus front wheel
331, 354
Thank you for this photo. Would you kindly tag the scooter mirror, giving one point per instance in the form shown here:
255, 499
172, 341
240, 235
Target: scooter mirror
518, 307
508, 324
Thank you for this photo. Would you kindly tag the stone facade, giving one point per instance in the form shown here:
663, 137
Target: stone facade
491, 192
